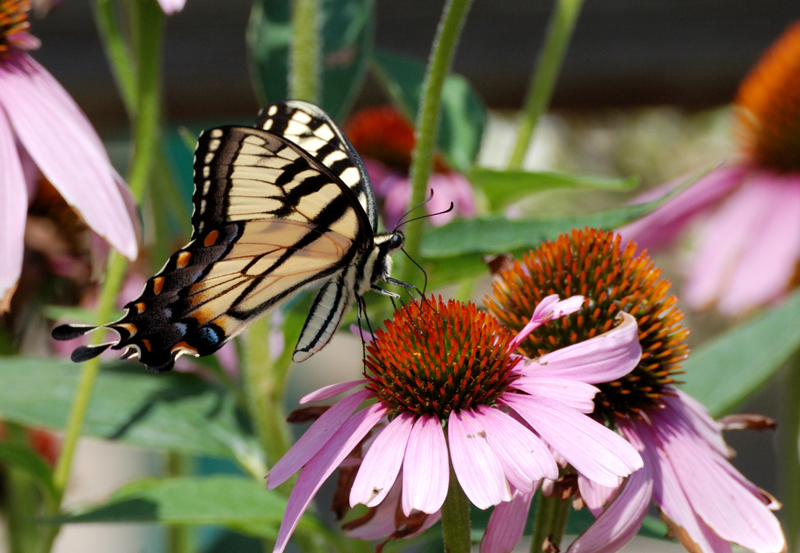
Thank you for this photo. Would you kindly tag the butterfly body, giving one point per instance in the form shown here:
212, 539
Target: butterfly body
276, 209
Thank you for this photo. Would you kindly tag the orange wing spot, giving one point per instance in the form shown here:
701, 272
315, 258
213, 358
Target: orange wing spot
185, 347
158, 284
183, 260
140, 307
211, 238
131, 328
146, 344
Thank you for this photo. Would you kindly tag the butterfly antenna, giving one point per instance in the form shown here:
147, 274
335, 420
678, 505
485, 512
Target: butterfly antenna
428, 215
401, 222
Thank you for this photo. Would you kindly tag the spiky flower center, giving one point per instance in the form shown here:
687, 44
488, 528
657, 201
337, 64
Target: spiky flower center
13, 21
768, 104
612, 279
436, 357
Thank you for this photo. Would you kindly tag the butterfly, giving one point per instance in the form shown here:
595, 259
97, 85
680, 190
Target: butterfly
277, 208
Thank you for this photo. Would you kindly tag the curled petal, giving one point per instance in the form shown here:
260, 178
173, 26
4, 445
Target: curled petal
322, 465
73, 158
13, 211
315, 438
476, 465
603, 358
594, 450
549, 308
595, 496
426, 471
621, 521
507, 524
382, 463
333, 390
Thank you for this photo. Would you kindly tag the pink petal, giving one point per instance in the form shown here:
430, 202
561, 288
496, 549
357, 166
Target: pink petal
322, 465
383, 522
726, 234
170, 7
426, 470
13, 210
577, 395
507, 524
333, 390
595, 496
594, 450
768, 262
66, 149
315, 438
382, 463
364, 335
549, 308
603, 358
660, 226
524, 457
475, 463
621, 520
697, 418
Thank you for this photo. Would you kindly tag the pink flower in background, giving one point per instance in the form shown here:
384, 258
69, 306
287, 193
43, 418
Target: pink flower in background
448, 368
749, 245
41, 123
384, 139
171, 6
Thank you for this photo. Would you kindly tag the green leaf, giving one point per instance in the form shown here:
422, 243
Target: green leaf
724, 371
463, 113
73, 314
347, 34
497, 234
177, 412
502, 187
233, 501
30, 462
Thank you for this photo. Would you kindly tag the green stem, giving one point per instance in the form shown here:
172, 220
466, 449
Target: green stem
117, 52
788, 433
23, 499
455, 518
181, 538
263, 389
441, 59
551, 519
543, 81
304, 63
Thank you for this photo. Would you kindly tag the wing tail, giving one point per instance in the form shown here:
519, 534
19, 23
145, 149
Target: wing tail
326, 313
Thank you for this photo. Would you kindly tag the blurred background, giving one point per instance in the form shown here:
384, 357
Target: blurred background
643, 92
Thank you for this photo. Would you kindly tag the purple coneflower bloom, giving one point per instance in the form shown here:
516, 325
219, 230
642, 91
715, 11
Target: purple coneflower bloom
39, 122
447, 390
385, 140
705, 501
749, 244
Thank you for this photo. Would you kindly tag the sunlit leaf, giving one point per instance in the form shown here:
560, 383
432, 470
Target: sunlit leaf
463, 114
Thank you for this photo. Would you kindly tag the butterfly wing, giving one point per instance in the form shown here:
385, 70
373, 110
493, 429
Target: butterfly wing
268, 220
314, 131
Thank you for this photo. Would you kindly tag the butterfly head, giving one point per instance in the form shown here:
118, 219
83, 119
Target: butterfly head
385, 246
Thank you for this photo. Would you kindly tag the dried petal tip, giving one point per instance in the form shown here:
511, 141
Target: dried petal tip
769, 102
436, 357
612, 279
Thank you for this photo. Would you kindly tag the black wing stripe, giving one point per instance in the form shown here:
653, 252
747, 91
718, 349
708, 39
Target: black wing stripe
323, 319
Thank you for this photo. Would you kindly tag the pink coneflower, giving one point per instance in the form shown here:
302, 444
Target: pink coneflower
447, 390
170, 7
706, 502
39, 122
749, 245
384, 139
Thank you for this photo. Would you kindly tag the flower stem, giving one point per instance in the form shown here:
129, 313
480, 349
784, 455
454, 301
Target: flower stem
304, 64
180, 537
788, 433
455, 518
263, 389
441, 59
551, 519
117, 52
543, 81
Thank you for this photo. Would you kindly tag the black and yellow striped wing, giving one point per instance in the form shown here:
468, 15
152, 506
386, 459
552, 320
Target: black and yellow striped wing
269, 219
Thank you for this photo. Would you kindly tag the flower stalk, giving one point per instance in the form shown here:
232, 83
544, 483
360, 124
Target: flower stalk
543, 81
787, 448
441, 59
551, 519
455, 518
305, 54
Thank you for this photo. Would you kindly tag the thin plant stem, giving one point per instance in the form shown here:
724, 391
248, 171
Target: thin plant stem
441, 59
543, 81
117, 52
263, 390
551, 519
455, 518
788, 432
305, 55
180, 538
